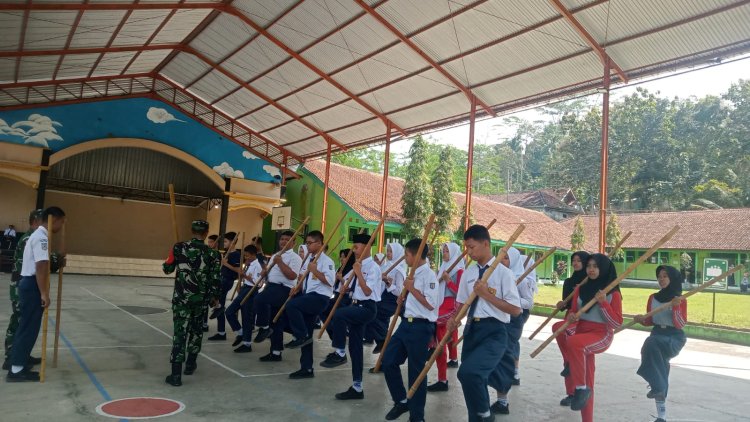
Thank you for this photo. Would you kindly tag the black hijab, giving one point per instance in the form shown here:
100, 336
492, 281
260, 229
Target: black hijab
348, 265
674, 288
607, 274
575, 279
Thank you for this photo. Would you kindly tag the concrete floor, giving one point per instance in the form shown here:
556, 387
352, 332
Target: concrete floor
108, 352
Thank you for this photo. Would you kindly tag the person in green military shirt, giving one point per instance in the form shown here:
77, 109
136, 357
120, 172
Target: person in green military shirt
35, 219
197, 283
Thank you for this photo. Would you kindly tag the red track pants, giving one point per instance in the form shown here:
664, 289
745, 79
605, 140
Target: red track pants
578, 346
442, 359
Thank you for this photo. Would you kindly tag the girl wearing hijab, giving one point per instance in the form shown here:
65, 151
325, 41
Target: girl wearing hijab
578, 262
393, 284
450, 282
302, 252
594, 330
344, 269
502, 380
666, 339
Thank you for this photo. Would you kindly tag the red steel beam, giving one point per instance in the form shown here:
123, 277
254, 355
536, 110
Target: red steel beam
106, 6
73, 81
302, 50
414, 47
603, 180
151, 38
470, 164
326, 186
112, 38
21, 41
71, 34
370, 55
603, 56
313, 68
384, 189
243, 45
88, 50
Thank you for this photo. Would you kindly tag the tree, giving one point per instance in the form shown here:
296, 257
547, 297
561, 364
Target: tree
416, 201
443, 205
459, 234
613, 237
578, 238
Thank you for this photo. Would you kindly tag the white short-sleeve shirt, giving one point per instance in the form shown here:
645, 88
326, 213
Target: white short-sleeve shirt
526, 292
253, 270
426, 282
373, 278
501, 280
36, 250
292, 260
327, 267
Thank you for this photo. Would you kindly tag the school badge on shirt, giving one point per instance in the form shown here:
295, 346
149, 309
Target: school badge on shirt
432, 285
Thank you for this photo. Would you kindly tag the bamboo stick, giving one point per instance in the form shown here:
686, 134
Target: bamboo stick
173, 207
283, 250
570, 295
609, 288
345, 284
45, 317
58, 310
404, 292
463, 311
698, 289
242, 264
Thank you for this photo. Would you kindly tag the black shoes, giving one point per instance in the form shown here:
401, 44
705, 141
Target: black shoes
205, 328
490, 418
566, 401
263, 333
31, 362
190, 364
516, 381
302, 374
500, 409
218, 337
175, 378
26, 375
270, 358
351, 394
216, 312
566, 371
580, 398
438, 386
237, 340
397, 410
299, 342
245, 348
333, 360
660, 420
378, 347
452, 364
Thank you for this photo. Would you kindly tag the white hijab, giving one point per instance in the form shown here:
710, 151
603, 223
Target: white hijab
454, 251
516, 262
532, 275
302, 250
397, 251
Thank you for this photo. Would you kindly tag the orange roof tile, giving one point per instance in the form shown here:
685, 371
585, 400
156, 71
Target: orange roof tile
361, 189
726, 229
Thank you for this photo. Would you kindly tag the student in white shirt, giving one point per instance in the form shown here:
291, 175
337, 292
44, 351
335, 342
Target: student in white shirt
250, 276
485, 335
393, 282
350, 322
413, 335
279, 281
311, 297
33, 293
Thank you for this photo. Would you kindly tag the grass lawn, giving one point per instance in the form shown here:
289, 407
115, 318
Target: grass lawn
732, 310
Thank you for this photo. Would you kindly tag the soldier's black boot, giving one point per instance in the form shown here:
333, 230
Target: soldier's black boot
190, 364
176, 377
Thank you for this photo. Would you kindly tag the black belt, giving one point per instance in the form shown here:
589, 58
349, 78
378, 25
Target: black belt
411, 319
362, 302
485, 320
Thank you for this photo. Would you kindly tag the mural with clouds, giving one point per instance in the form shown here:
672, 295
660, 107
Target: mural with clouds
59, 127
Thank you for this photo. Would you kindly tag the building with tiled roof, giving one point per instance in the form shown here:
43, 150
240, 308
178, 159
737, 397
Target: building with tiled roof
722, 234
559, 204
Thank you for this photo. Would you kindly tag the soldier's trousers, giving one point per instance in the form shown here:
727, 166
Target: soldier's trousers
13, 322
188, 330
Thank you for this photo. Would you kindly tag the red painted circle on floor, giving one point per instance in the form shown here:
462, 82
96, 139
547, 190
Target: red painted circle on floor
140, 408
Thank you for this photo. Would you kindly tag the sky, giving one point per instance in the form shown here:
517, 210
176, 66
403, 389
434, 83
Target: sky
713, 80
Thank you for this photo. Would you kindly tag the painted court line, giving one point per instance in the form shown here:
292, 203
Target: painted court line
239, 374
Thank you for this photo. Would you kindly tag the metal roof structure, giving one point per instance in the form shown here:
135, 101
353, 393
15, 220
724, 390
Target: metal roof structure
297, 79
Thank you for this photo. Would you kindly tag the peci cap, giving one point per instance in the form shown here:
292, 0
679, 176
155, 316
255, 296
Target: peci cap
361, 238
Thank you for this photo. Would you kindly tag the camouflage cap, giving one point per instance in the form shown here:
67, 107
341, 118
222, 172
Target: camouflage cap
36, 214
199, 225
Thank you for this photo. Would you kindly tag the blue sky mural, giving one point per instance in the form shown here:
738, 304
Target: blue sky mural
59, 127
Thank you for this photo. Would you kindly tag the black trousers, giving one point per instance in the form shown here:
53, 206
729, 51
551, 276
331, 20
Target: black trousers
30, 302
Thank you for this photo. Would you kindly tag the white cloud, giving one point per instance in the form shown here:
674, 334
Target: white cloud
272, 170
159, 115
225, 169
37, 130
249, 155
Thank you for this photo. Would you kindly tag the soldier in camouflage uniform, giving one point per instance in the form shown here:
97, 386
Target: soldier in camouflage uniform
197, 282
35, 219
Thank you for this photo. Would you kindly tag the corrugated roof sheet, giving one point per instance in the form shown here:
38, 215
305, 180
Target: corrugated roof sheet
508, 53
